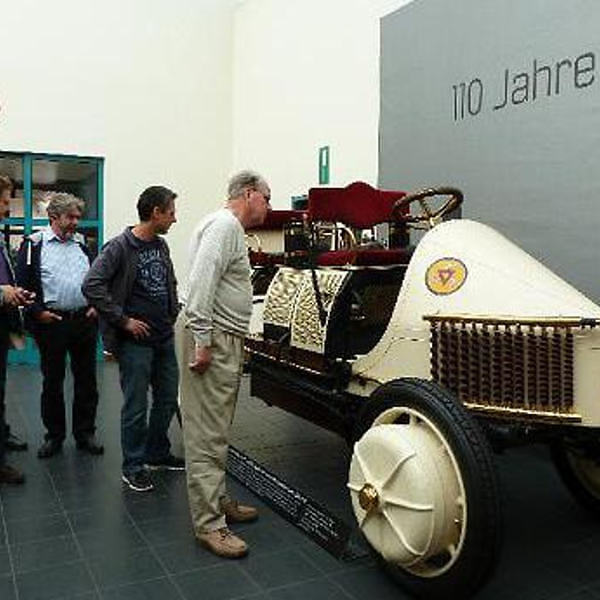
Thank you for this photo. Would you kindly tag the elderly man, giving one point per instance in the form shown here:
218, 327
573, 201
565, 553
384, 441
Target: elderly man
210, 336
53, 263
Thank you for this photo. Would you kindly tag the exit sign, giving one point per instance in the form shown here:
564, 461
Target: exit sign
324, 165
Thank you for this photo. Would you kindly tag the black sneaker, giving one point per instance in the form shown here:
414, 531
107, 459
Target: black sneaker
169, 462
139, 481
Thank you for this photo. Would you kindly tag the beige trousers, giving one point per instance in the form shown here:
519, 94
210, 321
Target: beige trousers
207, 407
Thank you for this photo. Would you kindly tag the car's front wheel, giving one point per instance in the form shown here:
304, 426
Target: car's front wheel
424, 489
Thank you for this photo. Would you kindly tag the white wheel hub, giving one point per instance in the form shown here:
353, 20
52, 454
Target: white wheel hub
407, 493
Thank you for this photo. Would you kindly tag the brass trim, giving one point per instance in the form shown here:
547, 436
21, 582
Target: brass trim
283, 361
505, 411
345, 229
255, 237
514, 320
368, 498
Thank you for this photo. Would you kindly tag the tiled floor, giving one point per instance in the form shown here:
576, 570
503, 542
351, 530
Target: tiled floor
73, 532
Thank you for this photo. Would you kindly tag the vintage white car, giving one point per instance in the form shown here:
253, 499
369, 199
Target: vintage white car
424, 358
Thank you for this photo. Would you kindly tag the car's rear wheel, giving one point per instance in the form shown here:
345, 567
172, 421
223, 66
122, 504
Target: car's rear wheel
578, 464
424, 489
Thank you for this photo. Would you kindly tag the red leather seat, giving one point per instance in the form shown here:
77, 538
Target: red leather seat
367, 257
276, 219
359, 206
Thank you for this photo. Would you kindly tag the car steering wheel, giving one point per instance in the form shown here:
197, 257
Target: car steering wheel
426, 214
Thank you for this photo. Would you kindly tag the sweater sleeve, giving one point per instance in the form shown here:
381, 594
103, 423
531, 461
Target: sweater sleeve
96, 285
212, 254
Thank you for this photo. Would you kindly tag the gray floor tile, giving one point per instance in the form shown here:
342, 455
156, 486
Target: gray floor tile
550, 550
279, 568
185, 555
585, 570
321, 589
56, 582
528, 584
113, 570
7, 588
581, 594
369, 582
118, 541
266, 537
593, 589
37, 528
216, 583
5, 568
156, 506
156, 589
326, 563
44, 554
109, 517
167, 529
30, 504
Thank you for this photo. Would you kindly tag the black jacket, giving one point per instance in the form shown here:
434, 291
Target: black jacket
10, 316
28, 273
109, 283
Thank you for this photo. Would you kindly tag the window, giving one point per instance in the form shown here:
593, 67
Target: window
36, 177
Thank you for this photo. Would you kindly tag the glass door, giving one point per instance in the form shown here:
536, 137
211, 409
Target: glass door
36, 178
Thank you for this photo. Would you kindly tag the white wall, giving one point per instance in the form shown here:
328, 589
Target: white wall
306, 74
145, 84
180, 94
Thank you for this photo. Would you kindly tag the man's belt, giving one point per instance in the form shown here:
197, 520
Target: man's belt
76, 313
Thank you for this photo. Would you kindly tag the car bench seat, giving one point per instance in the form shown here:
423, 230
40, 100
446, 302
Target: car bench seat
358, 206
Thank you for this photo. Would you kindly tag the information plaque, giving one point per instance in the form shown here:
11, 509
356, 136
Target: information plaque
327, 530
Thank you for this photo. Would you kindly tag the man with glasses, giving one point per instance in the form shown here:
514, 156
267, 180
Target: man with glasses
210, 334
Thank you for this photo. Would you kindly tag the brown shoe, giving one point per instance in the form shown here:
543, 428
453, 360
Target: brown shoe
223, 542
9, 474
238, 513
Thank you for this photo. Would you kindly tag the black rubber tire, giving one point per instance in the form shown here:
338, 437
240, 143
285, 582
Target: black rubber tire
584, 492
482, 543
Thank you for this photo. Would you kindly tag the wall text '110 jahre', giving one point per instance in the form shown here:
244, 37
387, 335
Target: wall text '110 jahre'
515, 88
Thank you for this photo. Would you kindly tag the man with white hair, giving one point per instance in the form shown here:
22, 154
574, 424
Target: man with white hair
210, 339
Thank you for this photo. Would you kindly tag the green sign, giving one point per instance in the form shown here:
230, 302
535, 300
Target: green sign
324, 165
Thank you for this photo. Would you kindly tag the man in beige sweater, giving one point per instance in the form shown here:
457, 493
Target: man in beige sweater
210, 334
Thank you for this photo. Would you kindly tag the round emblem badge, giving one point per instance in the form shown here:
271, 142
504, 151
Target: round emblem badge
445, 276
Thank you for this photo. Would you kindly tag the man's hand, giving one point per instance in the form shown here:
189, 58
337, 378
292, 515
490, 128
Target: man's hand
202, 359
47, 316
138, 329
91, 313
16, 296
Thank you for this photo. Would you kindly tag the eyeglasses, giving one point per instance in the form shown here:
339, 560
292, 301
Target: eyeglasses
267, 197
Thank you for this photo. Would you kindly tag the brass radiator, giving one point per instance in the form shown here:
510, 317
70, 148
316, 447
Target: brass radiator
507, 366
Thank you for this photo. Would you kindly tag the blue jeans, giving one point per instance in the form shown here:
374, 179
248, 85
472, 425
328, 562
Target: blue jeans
140, 367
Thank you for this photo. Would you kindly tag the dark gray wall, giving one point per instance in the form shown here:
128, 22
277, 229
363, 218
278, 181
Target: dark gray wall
530, 168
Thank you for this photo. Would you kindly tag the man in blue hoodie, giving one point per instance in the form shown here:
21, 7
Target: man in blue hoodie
132, 286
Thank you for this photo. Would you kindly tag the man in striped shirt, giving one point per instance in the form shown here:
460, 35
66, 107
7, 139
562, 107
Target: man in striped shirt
53, 263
